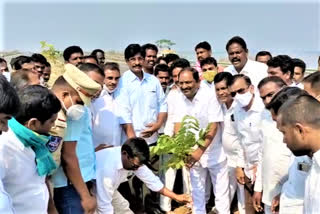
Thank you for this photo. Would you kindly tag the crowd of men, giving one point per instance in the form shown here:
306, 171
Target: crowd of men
82, 144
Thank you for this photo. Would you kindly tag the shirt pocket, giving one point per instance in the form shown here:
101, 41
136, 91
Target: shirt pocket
151, 97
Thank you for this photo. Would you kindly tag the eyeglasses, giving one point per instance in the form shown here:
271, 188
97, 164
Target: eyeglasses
240, 91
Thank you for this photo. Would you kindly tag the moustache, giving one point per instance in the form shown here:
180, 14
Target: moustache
235, 60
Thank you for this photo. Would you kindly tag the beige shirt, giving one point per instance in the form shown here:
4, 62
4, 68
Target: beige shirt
58, 132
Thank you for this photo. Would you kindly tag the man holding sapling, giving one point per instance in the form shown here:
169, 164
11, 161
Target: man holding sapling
209, 159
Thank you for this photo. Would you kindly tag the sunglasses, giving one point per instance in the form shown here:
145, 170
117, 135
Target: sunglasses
240, 91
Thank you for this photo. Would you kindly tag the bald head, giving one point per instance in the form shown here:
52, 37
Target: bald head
303, 109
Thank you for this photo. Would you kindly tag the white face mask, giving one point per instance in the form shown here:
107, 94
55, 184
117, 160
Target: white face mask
243, 99
74, 112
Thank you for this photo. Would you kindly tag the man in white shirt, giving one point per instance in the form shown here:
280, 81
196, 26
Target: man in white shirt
282, 66
241, 64
106, 128
208, 160
301, 132
9, 106
230, 141
293, 186
168, 177
113, 167
25, 158
274, 156
247, 116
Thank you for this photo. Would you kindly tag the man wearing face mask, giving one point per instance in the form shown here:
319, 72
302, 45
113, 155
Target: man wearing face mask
74, 89
209, 68
247, 116
241, 64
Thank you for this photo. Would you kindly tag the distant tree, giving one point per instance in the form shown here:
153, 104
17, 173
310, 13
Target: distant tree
165, 43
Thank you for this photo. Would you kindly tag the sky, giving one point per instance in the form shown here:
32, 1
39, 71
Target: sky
275, 25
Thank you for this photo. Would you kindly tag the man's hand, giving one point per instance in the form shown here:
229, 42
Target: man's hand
183, 198
102, 146
254, 170
256, 198
240, 175
151, 128
194, 157
89, 204
275, 204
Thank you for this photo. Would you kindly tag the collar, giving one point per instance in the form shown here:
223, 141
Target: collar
244, 69
132, 77
119, 158
196, 97
257, 104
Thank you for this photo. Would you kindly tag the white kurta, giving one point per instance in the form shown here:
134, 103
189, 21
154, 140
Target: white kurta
106, 128
256, 71
28, 191
292, 193
312, 191
110, 174
248, 126
205, 107
274, 161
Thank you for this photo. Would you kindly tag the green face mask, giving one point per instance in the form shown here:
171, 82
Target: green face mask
209, 75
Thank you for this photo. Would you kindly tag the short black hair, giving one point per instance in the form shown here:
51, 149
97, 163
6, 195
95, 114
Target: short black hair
95, 51
282, 61
222, 76
195, 73
88, 67
299, 63
71, 50
147, 46
19, 61
111, 66
91, 57
205, 45
180, 63
277, 80
314, 81
303, 109
9, 100
209, 61
239, 76
263, 53
171, 57
238, 40
163, 68
36, 57
2, 60
282, 96
37, 102
159, 59
137, 147
47, 64
132, 50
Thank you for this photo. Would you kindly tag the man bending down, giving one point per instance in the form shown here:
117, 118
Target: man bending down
113, 167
